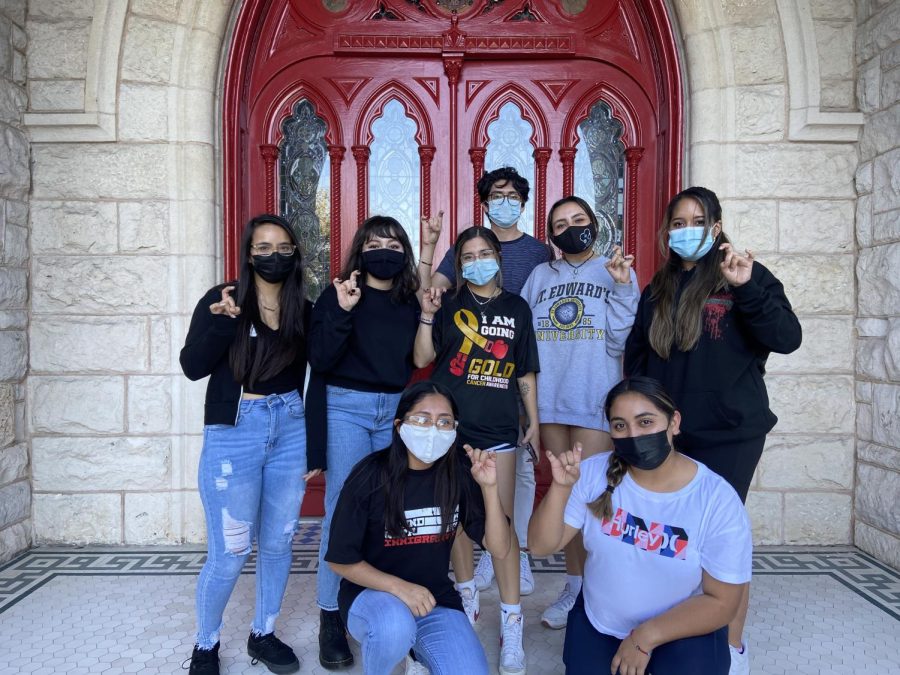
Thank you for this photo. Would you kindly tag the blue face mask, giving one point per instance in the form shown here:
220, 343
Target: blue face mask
504, 214
480, 272
685, 241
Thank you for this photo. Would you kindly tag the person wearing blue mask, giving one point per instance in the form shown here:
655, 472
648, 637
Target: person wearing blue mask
704, 328
481, 339
503, 194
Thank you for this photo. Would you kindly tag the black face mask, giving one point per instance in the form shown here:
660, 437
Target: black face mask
575, 239
274, 268
643, 452
383, 263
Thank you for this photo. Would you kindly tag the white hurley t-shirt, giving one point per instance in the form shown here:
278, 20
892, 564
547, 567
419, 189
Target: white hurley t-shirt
650, 556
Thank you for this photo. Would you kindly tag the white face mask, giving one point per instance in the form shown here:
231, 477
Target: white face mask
427, 444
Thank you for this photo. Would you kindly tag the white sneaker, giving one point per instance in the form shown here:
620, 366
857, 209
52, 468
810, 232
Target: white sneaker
512, 654
413, 667
526, 578
471, 603
484, 572
557, 615
740, 661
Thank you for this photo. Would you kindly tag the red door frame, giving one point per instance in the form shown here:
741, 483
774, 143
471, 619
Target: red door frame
468, 66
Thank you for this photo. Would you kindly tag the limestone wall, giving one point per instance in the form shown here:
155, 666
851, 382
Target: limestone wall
877, 527
15, 488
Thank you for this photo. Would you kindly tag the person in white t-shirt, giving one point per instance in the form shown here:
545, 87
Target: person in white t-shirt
668, 545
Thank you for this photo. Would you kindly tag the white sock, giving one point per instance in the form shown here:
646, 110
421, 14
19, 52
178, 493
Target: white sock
574, 581
506, 610
470, 584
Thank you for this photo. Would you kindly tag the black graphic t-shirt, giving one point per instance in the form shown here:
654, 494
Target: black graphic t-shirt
422, 556
481, 350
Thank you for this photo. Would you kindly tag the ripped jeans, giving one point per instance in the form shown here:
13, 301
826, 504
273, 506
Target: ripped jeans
251, 485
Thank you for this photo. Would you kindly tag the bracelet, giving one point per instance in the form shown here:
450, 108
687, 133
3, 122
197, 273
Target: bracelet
425, 262
637, 646
427, 322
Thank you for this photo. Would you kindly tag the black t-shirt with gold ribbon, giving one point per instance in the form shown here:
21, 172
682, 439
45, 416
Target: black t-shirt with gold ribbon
481, 349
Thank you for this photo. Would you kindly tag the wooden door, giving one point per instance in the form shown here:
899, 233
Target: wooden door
337, 109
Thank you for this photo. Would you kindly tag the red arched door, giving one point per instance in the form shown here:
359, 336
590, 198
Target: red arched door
336, 109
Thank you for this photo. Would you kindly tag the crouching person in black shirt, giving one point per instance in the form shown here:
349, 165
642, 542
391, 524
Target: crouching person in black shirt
392, 532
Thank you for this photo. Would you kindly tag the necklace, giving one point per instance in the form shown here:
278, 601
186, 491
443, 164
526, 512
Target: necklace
577, 267
482, 303
271, 309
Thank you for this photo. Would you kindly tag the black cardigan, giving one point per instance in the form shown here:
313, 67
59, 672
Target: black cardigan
205, 353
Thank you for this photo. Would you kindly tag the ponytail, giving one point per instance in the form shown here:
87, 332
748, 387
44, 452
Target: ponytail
615, 472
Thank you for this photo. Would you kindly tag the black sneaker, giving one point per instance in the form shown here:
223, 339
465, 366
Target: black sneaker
204, 661
269, 650
334, 652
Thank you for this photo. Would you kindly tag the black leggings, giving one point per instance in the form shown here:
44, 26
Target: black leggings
587, 651
735, 462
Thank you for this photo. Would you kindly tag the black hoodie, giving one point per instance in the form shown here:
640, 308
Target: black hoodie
718, 386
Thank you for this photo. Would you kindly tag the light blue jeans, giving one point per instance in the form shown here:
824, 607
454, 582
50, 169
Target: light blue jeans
359, 423
443, 640
251, 484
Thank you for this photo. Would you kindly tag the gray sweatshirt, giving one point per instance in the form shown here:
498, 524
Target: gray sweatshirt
581, 320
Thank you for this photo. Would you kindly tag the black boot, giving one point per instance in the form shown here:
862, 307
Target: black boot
204, 661
334, 652
269, 650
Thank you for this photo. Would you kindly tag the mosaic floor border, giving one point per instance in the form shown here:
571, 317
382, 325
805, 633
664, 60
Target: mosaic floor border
859, 572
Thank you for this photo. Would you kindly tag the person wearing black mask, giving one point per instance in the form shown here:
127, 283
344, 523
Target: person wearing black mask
583, 308
361, 341
668, 543
250, 338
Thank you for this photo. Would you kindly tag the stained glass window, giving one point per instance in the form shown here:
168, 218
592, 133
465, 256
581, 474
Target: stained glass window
509, 144
394, 170
305, 176
600, 174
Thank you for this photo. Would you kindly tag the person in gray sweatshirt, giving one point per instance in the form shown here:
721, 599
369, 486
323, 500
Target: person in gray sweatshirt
583, 307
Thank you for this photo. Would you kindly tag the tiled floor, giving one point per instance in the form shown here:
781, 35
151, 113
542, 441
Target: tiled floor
122, 610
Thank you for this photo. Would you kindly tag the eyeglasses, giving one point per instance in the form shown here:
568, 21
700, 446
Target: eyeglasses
514, 199
267, 249
483, 254
442, 423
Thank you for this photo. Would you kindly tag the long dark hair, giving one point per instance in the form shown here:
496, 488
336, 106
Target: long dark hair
406, 283
681, 325
571, 199
394, 464
467, 235
659, 398
271, 355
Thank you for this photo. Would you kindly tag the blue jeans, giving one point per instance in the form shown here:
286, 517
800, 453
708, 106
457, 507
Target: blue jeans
359, 423
587, 651
251, 484
443, 640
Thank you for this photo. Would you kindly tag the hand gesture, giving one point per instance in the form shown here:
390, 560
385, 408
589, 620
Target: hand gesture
619, 266
735, 267
431, 229
226, 305
418, 598
348, 294
484, 466
566, 468
630, 659
430, 301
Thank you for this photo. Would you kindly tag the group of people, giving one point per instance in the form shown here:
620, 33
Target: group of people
526, 350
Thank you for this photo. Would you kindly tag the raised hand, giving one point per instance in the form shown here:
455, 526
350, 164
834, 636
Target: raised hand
430, 302
348, 293
226, 305
619, 266
484, 466
736, 268
566, 468
431, 229
418, 598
